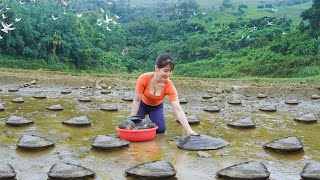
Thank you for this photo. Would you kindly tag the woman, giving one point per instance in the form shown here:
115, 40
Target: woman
151, 88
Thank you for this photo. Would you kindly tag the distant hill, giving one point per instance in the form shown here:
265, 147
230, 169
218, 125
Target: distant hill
211, 38
255, 8
214, 3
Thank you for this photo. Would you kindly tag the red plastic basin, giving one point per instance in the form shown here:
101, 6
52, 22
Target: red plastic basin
137, 135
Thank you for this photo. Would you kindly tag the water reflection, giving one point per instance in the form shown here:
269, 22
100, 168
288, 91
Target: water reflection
105, 154
147, 151
32, 153
285, 156
73, 144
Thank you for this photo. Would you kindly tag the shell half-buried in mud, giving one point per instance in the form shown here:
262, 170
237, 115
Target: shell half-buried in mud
153, 170
285, 145
202, 142
69, 171
245, 170
32, 142
109, 142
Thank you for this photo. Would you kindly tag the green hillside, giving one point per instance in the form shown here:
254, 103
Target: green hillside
226, 38
292, 12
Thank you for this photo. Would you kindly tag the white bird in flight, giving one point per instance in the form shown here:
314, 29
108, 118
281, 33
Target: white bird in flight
123, 52
54, 18
4, 16
270, 23
107, 19
17, 19
65, 3
109, 3
22, 2
99, 24
254, 28
79, 15
6, 27
108, 29
5, 8
1, 37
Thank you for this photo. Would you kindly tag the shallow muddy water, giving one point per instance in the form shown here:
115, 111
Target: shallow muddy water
73, 144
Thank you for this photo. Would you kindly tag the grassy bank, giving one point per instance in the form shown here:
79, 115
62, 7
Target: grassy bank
33, 73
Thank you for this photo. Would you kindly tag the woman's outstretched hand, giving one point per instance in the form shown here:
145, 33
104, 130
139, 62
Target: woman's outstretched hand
192, 133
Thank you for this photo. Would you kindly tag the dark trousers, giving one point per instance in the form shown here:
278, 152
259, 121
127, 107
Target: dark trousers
155, 113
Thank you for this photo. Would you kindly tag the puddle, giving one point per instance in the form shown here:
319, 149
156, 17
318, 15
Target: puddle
73, 144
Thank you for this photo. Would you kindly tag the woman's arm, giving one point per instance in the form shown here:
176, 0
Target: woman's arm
181, 116
135, 104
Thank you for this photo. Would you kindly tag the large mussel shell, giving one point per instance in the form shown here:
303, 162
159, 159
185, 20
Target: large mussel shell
135, 118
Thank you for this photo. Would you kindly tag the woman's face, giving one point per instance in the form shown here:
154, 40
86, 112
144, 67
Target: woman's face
163, 73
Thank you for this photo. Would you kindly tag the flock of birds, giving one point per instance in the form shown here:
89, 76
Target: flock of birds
107, 20
250, 29
7, 27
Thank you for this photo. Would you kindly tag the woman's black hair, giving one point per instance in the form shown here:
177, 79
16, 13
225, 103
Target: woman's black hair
164, 60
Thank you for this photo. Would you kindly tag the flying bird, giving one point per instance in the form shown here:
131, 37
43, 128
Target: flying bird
4, 16
6, 27
22, 2
108, 29
109, 3
54, 18
99, 24
270, 23
107, 19
17, 19
1, 37
254, 28
79, 15
65, 3
4, 8
123, 52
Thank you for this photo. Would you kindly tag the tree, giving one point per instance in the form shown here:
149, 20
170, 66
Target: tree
225, 5
313, 16
187, 8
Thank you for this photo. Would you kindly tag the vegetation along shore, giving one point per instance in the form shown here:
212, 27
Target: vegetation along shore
211, 39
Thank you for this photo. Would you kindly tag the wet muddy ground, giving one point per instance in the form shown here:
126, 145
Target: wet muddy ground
73, 144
